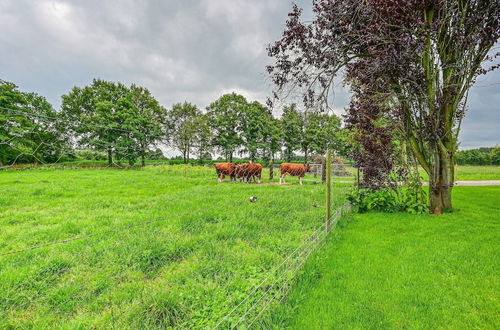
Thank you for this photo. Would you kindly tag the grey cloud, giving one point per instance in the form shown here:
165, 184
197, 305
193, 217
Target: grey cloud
481, 125
180, 50
191, 49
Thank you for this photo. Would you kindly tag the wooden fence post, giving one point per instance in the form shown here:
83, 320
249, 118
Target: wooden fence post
323, 171
328, 190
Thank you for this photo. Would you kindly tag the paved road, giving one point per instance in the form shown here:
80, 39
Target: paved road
473, 183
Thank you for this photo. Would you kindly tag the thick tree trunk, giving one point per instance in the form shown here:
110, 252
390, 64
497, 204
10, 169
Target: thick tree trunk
143, 160
440, 199
441, 181
306, 154
110, 157
230, 157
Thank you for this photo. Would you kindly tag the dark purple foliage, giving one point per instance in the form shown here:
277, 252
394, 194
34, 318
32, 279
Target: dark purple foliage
416, 58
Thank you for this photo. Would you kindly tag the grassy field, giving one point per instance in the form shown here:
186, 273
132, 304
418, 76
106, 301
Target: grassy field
345, 173
464, 172
143, 265
469, 172
405, 271
186, 271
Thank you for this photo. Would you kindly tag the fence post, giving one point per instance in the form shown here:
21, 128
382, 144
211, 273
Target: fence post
357, 178
323, 170
271, 174
328, 189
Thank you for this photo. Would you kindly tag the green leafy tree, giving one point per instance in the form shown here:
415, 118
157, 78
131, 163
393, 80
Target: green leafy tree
344, 144
48, 139
148, 122
254, 127
328, 134
311, 131
96, 115
473, 157
29, 130
13, 122
225, 116
273, 138
292, 122
183, 119
203, 137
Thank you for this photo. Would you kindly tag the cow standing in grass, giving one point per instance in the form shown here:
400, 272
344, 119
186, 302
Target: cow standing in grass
293, 170
248, 171
224, 169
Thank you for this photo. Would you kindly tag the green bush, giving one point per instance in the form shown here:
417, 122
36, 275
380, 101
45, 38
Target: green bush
408, 199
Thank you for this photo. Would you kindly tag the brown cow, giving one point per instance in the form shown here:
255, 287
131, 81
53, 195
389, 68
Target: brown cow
224, 169
294, 170
248, 171
240, 171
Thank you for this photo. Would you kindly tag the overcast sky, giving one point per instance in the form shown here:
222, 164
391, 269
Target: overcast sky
189, 50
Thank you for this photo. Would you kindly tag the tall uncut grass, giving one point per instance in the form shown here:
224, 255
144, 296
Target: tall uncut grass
145, 266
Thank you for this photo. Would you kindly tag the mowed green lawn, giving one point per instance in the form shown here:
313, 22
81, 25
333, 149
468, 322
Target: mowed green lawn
162, 270
405, 271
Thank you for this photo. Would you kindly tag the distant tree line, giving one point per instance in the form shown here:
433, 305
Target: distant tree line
480, 156
119, 123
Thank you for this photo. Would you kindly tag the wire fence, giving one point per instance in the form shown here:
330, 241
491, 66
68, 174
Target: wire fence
192, 193
120, 313
275, 287
117, 229
341, 173
298, 253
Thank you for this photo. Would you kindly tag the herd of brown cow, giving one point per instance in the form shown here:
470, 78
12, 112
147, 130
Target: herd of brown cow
248, 171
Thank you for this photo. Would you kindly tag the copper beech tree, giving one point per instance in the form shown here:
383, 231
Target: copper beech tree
417, 58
